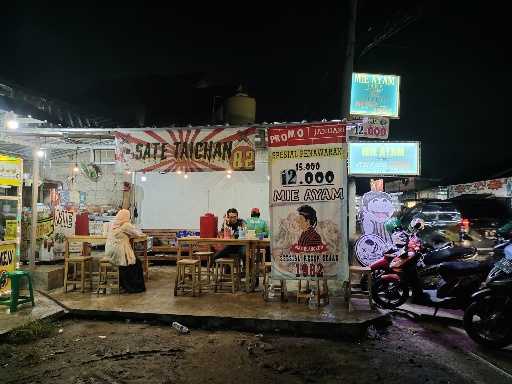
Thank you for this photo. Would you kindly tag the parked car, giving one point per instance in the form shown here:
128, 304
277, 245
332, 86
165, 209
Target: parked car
435, 213
482, 215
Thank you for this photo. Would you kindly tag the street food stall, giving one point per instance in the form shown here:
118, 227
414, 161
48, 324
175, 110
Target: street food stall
11, 171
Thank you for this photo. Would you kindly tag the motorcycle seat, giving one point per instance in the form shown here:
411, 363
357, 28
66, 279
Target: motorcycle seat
462, 268
445, 254
507, 283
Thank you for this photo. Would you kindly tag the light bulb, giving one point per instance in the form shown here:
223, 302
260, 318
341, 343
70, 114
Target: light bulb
76, 169
179, 172
228, 176
143, 178
185, 176
229, 171
40, 153
12, 124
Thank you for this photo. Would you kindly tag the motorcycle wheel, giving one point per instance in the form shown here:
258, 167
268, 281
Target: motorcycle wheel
389, 294
486, 321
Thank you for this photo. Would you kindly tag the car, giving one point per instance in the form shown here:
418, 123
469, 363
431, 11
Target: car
435, 213
482, 215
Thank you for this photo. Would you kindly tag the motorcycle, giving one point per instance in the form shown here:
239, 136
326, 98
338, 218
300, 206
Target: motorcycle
459, 279
488, 318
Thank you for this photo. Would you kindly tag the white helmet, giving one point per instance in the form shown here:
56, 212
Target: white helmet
417, 224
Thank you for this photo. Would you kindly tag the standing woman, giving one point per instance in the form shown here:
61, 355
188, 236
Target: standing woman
120, 252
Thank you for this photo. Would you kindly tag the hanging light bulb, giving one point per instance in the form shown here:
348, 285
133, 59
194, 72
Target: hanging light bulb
228, 176
179, 172
40, 153
185, 176
143, 178
76, 169
229, 171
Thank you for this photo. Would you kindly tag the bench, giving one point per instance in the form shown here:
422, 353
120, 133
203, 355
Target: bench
164, 243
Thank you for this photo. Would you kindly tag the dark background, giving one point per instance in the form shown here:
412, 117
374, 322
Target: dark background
167, 63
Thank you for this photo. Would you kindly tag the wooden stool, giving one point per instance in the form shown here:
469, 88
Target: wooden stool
78, 261
78, 264
108, 276
361, 271
188, 267
234, 275
202, 255
303, 294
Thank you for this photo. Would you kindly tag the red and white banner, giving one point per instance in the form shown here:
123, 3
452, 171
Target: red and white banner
186, 150
308, 204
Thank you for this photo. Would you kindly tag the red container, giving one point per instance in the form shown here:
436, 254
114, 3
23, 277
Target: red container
208, 225
82, 224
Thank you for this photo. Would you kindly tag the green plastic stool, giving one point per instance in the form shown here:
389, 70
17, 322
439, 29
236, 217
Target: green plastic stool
15, 299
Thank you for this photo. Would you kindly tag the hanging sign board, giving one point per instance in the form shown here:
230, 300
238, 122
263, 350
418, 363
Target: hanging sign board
64, 222
375, 95
11, 171
384, 158
370, 128
7, 261
308, 201
186, 150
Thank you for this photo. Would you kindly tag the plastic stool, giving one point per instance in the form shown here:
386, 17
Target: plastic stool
15, 299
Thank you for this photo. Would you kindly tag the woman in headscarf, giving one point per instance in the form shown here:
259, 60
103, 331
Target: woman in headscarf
120, 252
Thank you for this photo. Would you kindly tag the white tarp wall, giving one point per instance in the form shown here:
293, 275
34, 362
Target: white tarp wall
171, 201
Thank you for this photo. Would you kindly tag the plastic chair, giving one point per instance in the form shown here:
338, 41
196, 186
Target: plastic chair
15, 299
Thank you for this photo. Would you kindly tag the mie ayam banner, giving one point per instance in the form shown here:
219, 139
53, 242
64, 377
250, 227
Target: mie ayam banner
186, 150
308, 201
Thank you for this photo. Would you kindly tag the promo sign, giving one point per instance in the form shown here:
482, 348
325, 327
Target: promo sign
64, 222
7, 262
11, 170
375, 95
308, 201
186, 150
384, 158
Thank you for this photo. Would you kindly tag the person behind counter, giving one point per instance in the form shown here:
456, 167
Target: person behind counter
120, 253
233, 224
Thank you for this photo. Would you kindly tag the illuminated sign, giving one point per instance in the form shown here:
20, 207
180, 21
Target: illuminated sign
384, 158
375, 95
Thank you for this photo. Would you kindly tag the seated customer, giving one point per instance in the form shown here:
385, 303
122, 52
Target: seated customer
256, 223
120, 253
234, 224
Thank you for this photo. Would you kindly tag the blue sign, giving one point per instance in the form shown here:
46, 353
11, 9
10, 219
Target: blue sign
384, 158
375, 95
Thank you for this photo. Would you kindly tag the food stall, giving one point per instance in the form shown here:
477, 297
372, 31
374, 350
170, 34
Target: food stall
11, 171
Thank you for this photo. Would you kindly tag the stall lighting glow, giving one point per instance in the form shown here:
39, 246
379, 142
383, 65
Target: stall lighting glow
40, 153
228, 176
179, 172
76, 169
143, 178
229, 171
185, 176
12, 124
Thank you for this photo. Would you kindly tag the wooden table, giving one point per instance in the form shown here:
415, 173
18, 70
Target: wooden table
249, 244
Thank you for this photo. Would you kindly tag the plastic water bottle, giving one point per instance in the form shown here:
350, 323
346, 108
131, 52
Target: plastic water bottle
180, 328
313, 304
271, 292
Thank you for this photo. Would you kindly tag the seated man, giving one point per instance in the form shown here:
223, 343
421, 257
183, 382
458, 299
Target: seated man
260, 226
233, 223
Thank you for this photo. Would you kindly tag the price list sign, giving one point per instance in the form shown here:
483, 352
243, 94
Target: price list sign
308, 201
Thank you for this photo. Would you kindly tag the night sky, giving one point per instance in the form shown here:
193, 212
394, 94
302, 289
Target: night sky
171, 60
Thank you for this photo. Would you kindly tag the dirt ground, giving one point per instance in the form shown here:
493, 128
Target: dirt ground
94, 352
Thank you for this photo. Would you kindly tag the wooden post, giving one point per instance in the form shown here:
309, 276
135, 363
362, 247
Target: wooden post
35, 196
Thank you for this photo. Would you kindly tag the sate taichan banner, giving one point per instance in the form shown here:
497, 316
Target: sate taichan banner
186, 150
308, 201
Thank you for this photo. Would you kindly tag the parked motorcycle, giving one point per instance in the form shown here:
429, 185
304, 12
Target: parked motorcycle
459, 280
488, 318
